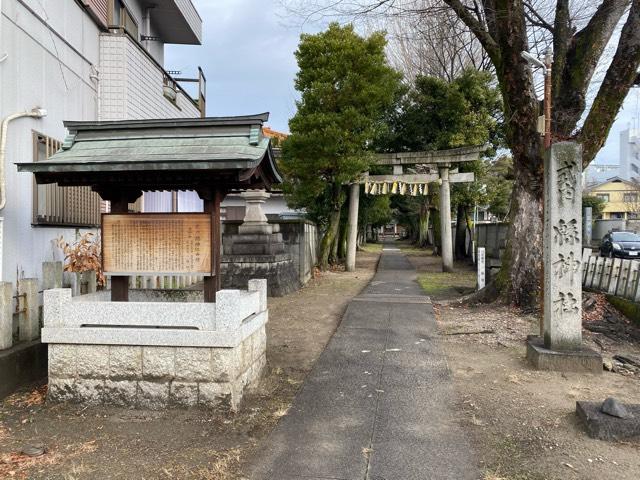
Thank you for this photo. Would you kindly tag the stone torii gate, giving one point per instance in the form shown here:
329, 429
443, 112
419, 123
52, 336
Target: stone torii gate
438, 159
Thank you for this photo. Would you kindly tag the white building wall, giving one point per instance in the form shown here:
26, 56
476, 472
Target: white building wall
132, 84
47, 68
630, 154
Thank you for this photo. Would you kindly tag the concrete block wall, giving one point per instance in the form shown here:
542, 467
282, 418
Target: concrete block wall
153, 377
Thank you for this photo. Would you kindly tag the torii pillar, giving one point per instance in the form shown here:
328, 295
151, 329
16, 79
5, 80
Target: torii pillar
352, 239
445, 219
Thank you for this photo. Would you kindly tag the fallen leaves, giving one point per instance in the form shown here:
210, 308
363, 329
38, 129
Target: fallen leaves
30, 399
16, 465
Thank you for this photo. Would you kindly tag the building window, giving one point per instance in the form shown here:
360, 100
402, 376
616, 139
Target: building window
630, 197
120, 17
66, 206
617, 215
603, 196
635, 168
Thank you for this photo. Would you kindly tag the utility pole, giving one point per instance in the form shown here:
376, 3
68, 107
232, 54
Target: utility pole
548, 62
546, 69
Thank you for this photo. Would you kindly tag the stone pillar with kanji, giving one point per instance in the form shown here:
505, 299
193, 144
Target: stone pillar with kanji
562, 328
560, 346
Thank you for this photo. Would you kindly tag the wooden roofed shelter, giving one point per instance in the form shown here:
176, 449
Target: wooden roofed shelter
121, 159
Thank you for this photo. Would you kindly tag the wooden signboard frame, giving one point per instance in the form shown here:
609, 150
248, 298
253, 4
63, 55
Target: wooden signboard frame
158, 244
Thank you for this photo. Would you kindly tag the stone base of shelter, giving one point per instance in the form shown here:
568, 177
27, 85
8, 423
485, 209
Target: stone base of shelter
279, 270
582, 360
153, 377
155, 354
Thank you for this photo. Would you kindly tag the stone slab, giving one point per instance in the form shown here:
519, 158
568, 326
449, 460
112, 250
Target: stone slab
606, 427
154, 336
581, 360
52, 274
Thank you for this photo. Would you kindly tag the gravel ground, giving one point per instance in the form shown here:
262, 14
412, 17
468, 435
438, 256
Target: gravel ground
523, 421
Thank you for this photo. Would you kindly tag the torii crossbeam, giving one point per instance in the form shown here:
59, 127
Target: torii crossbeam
440, 159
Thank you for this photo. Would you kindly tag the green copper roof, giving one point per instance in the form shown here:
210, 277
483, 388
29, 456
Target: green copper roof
186, 145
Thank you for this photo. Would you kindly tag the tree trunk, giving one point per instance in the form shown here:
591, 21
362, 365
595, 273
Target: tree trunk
423, 225
519, 279
461, 233
472, 232
435, 220
329, 239
342, 239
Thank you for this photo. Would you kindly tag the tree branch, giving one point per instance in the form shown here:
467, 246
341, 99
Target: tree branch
583, 54
561, 40
535, 18
620, 77
478, 29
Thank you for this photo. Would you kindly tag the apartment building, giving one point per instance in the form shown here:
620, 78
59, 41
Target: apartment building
77, 60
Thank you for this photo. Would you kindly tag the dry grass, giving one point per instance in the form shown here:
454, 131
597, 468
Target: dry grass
225, 466
16, 465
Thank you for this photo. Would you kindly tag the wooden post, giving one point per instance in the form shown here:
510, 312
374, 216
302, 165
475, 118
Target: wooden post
212, 282
120, 200
120, 283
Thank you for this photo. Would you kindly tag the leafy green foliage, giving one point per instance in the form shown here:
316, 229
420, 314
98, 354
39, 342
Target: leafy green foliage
346, 87
437, 115
499, 185
597, 205
374, 210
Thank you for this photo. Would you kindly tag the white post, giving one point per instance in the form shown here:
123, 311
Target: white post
352, 239
445, 220
481, 268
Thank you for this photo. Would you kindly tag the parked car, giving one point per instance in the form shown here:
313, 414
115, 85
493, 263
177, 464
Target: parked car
620, 245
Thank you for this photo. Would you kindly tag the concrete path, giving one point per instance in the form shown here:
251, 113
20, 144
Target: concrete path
378, 403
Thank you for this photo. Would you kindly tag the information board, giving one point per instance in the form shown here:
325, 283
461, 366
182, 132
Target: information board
156, 243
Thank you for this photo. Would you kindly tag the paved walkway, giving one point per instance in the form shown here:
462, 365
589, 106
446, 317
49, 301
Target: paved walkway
377, 405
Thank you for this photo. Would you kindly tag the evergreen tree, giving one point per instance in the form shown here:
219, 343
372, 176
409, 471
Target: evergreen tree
346, 88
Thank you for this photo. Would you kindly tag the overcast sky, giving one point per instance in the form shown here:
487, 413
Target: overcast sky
247, 57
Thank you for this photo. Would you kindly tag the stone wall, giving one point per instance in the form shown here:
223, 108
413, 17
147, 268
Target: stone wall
279, 270
155, 377
300, 238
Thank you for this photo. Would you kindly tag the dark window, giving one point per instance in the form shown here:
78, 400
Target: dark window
120, 17
625, 237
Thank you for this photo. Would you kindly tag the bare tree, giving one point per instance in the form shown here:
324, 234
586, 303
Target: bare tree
433, 41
